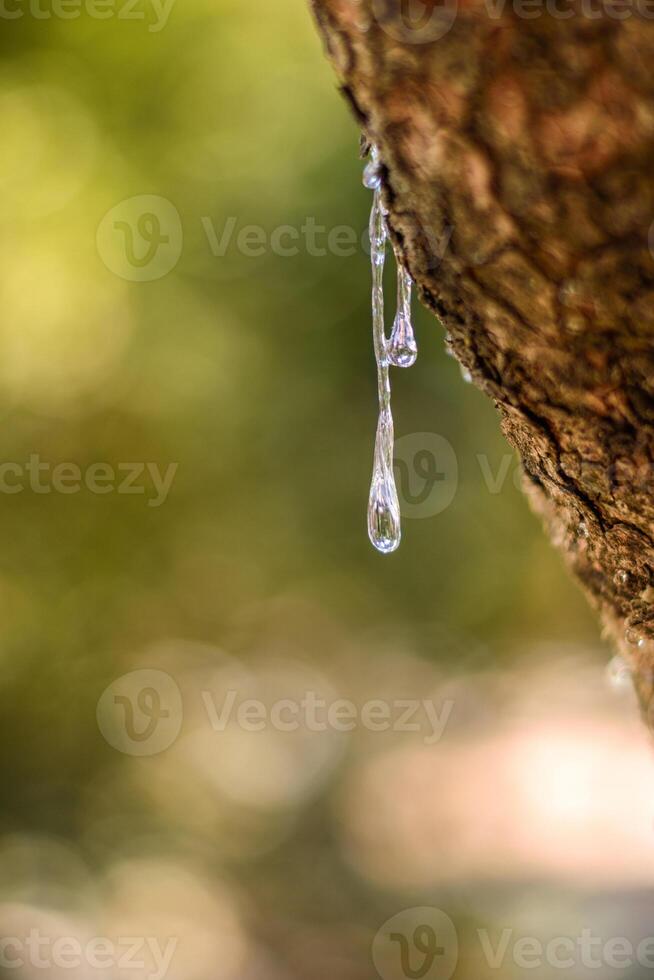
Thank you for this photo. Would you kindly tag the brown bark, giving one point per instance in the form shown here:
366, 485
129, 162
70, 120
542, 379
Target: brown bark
518, 157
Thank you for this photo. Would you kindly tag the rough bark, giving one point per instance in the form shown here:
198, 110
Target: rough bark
518, 161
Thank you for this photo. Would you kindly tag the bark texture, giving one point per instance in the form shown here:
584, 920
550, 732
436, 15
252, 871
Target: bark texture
518, 148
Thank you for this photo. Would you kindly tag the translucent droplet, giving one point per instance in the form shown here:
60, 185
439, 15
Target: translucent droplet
618, 673
384, 529
621, 577
371, 175
371, 178
633, 638
465, 374
402, 348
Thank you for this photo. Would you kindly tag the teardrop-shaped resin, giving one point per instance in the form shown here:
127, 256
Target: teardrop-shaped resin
371, 177
402, 347
384, 528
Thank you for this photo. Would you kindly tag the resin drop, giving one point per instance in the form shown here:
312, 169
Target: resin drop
371, 178
402, 349
633, 638
384, 529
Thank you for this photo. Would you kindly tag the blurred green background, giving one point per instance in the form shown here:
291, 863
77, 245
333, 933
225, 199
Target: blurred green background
265, 854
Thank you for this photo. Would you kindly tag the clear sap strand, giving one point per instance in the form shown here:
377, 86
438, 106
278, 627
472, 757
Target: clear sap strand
384, 528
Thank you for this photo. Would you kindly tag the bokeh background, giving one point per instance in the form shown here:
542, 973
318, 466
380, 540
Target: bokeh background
266, 854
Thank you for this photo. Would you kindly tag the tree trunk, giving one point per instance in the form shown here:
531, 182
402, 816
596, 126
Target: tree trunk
517, 143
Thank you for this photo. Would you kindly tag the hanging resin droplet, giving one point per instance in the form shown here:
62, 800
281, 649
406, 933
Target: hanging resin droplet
634, 638
371, 178
402, 349
383, 505
384, 529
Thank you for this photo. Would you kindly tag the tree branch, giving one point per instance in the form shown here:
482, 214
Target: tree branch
518, 157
